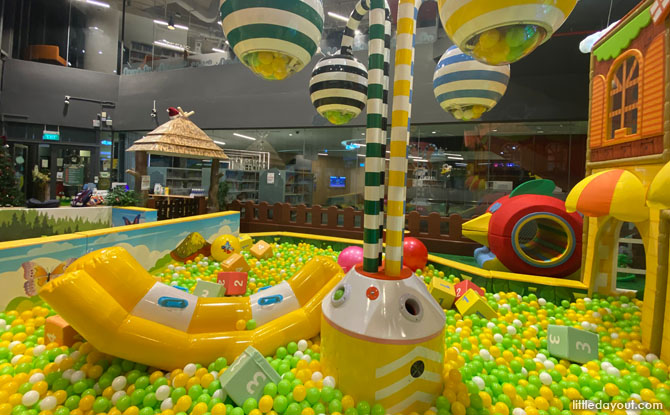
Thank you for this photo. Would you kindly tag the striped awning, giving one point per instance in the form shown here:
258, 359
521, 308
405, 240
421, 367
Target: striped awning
617, 193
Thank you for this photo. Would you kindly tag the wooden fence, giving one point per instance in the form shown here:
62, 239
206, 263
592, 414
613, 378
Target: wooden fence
440, 234
178, 207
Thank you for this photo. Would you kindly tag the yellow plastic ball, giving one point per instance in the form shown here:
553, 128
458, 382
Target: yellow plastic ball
489, 38
224, 246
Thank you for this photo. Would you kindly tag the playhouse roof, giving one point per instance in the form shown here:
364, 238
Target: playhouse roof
179, 137
619, 37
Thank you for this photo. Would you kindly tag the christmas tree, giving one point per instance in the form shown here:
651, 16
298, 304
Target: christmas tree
9, 189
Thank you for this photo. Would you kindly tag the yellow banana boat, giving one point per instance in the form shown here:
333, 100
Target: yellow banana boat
122, 310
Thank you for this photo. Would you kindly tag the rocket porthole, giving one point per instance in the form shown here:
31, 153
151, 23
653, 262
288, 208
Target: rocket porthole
417, 368
410, 307
340, 295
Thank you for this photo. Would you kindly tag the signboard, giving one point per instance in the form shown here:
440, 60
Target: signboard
74, 176
146, 183
50, 135
271, 178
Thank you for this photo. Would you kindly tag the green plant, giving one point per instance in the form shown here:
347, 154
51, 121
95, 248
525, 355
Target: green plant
9, 189
119, 196
222, 195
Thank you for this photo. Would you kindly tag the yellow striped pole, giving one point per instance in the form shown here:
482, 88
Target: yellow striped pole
400, 123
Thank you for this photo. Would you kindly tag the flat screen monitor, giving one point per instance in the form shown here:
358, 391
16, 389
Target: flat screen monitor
338, 181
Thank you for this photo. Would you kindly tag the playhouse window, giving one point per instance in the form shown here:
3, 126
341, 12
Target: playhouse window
623, 109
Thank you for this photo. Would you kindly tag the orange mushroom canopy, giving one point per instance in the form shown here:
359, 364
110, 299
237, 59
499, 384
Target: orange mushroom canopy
616, 192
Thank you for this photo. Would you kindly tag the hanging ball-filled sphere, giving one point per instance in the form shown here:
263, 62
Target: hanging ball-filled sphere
274, 39
338, 88
499, 33
467, 88
224, 246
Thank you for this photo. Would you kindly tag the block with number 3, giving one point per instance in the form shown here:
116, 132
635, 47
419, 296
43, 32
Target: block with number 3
247, 376
209, 289
234, 282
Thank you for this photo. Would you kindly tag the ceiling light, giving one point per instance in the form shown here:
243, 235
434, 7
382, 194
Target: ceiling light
98, 3
323, 154
361, 155
181, 26
171, 23
166, 45
413, 157
421, 161
338, 16
454, 158
221, 143
244, 136
161, 22
362, 133
218, 50
290, 134
434, 132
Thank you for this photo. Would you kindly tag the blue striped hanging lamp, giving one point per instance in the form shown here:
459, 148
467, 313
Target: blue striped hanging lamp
467, 88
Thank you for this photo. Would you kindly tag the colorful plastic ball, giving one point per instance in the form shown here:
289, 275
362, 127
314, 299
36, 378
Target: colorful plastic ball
338, 88
467, 88
414, 253
350, 257
224, 246
274, 39
499, 34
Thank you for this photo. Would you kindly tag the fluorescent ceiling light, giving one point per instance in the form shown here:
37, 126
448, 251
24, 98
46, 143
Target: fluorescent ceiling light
244, 136
161, 22
221, 143
323, 154
338, 16
434, 132
218, 50
454, 158
361, 155
168, 46
98, 3
413, 157
359, 145
452, 154
421, 161
180, 26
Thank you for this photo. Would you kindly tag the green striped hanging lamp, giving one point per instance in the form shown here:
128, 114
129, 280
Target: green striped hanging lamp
273, 38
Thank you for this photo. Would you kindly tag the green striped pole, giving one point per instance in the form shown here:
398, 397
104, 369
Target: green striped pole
375, 139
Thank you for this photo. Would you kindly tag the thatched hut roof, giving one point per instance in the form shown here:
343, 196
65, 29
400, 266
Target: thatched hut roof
179, 137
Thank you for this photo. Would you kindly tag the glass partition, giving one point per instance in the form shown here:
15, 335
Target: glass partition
452, 168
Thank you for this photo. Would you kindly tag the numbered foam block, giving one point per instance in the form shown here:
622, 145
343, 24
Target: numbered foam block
472, 303
572, 344
247, 376
245, 241
261, 250
57, 330
463, 287
235, 263
209, 289
235, 283
443, 292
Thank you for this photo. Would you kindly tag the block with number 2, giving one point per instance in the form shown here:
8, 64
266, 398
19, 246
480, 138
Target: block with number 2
234, 282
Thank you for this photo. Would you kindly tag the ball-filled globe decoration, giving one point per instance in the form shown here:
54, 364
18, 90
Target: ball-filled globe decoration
224, 246
467, 88
501, 32
414, 253
350, 257
274, 38
338, 88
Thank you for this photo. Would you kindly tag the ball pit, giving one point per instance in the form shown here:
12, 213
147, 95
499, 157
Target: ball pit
497, 366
